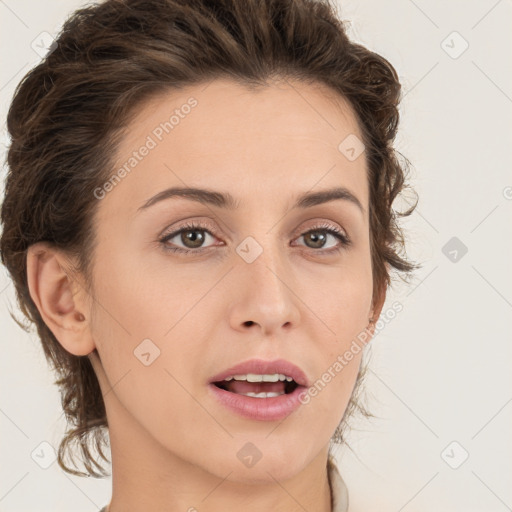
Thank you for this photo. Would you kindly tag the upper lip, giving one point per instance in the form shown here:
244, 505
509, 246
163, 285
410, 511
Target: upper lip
262, 367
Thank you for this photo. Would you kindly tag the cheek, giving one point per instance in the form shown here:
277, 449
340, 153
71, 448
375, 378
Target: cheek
345, 306
328, 397
343, 303
149, 373
149, 322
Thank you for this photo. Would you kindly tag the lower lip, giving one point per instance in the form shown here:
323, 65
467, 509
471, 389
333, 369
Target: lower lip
262, 409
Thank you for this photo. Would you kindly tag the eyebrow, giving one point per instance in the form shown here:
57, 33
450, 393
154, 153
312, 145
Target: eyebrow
226, 200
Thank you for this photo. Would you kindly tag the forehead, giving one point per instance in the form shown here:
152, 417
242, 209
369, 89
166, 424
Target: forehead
249, 142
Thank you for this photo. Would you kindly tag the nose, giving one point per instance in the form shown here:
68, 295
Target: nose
263, 295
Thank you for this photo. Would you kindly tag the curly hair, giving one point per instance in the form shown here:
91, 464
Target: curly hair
70, 112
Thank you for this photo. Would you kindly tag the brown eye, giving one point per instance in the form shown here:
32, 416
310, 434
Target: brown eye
192, 237
318, 237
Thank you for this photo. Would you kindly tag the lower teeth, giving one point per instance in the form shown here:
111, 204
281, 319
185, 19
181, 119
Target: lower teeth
262, 395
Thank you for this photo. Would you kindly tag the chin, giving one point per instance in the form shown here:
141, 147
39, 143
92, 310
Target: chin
263, 461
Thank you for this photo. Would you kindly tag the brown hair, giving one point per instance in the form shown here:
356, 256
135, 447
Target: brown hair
68, 113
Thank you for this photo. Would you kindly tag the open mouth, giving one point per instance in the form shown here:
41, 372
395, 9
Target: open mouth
260, 390
258, 386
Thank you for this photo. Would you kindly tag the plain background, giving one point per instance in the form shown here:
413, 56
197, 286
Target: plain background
440, 378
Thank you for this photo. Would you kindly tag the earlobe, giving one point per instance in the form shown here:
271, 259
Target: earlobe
56, 296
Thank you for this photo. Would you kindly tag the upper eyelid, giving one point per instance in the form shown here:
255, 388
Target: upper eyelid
204, 226
199, 225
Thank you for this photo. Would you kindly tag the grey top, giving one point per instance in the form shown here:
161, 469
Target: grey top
339, 492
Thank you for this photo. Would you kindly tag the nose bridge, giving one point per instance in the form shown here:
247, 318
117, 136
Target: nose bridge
263, 235
269, 265
264, 258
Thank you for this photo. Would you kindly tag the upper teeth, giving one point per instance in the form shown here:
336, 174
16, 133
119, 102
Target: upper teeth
252, 377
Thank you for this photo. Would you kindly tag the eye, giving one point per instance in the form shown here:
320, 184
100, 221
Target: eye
193, 243
189, 237
317, 236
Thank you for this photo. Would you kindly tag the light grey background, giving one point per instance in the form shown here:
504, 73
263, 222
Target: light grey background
440, 372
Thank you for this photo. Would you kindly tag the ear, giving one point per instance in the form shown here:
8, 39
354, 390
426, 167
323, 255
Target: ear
59, 298
377, 308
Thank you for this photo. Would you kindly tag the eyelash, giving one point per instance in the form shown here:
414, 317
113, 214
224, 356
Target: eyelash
192, 226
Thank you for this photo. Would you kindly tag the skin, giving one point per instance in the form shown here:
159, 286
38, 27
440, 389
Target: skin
173, 446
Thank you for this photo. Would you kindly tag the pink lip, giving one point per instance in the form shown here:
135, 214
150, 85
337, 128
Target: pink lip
260, 366
262, 409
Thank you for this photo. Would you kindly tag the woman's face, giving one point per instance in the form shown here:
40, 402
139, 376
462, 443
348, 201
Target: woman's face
263, 279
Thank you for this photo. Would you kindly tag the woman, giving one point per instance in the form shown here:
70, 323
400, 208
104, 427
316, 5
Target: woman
224, 365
